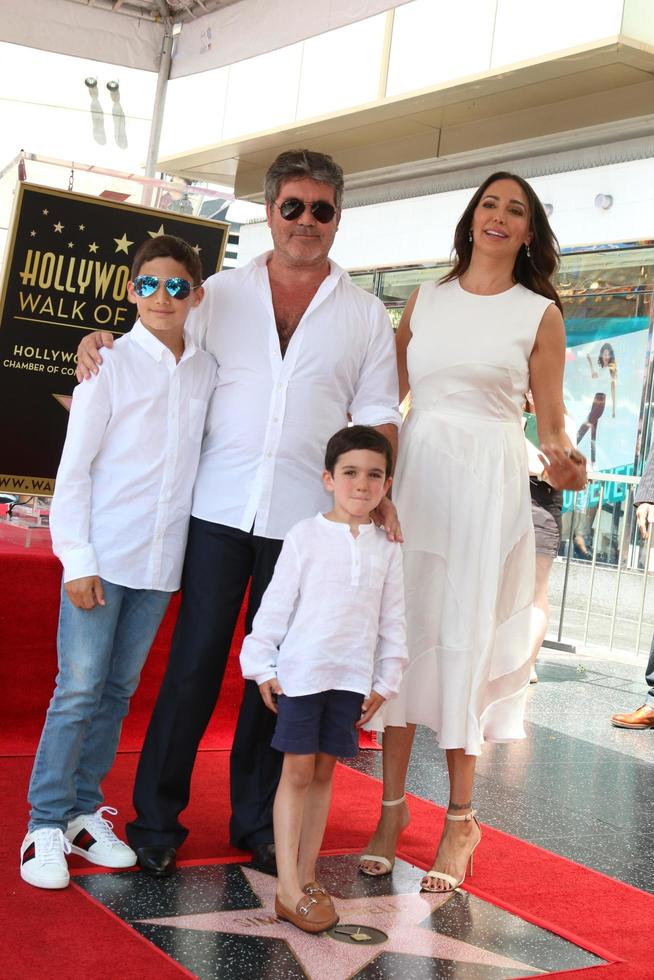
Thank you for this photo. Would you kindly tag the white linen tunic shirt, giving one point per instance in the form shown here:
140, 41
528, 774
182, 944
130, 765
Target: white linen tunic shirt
332, 617
271, 417
122, 498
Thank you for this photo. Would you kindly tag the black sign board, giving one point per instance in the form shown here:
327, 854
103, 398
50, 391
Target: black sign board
67, 265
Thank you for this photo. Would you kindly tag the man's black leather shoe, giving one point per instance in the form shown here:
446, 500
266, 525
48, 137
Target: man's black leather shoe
156, 861
263, 858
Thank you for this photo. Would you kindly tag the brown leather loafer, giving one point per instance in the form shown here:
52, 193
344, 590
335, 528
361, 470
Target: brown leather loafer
310, 915
641, 718
315, 890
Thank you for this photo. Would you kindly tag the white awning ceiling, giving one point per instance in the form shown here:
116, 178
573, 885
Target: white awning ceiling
251, 27
213, 32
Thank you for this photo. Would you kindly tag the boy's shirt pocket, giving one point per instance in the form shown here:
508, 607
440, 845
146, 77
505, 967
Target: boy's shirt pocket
375, 573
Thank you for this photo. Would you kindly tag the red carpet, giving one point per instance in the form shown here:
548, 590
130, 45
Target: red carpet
30, 581
64, 934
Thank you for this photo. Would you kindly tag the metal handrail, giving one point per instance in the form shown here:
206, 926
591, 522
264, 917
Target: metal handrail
604, 479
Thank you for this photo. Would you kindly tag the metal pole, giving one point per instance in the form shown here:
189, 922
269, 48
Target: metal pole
642, 596
159, 104
593, 562
567, 566
625, 521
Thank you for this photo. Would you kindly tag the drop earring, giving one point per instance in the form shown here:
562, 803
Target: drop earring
470, 235
528, 250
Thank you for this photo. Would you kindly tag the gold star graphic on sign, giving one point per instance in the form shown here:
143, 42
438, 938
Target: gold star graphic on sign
33, 233
197, 249
93, 247
45, 211
71, 244
82, 227
122, 244
155, 234
58, 227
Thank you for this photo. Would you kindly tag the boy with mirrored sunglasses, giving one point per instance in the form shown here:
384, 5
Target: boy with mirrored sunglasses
119, 522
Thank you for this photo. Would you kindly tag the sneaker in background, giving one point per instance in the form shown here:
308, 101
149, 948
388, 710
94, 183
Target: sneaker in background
92, 837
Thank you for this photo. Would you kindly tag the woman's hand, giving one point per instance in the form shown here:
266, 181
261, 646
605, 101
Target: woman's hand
88, 353
385, 515
565, 469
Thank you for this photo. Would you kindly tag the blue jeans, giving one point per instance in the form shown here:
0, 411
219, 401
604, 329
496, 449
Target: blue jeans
101, 652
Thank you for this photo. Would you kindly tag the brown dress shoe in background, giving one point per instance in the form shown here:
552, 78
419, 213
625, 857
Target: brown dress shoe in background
641, 718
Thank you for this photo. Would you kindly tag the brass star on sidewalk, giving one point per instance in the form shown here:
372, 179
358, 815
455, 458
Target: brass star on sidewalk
402, 917
155, 234
122, 244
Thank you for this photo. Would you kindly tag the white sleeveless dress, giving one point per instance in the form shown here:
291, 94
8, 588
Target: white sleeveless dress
462, 494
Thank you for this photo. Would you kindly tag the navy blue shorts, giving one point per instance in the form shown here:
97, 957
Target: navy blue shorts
318, 723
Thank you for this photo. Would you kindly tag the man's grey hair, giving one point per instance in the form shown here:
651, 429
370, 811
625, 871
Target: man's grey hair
296, 164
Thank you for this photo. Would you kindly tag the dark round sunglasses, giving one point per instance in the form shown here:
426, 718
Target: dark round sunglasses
176, 287
293, 207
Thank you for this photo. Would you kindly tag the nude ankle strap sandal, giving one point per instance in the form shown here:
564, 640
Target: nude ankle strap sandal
441, 875
379, 858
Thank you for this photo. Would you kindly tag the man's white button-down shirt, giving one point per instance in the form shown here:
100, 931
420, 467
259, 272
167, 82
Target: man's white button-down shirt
332, 617
123, 493
271, 417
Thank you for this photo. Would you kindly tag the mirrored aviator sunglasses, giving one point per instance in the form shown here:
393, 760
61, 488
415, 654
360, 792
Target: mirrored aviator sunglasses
176, 287
292, 208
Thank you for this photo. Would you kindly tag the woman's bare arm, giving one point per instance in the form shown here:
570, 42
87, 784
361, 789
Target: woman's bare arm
402, 338
566, 466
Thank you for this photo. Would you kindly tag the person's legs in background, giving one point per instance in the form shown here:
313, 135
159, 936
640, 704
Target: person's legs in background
540, 613
643, 717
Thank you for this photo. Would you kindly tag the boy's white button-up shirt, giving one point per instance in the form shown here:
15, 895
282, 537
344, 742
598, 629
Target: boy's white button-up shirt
332, 617
271, 417
123, 493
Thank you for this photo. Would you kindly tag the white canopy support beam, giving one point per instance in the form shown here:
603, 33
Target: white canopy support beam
163, 76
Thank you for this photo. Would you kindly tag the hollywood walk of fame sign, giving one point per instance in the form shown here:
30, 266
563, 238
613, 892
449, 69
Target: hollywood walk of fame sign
66, 268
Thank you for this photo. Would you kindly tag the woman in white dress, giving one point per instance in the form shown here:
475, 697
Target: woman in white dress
469, 348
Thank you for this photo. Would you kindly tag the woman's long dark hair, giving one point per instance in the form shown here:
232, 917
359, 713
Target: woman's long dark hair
534, 272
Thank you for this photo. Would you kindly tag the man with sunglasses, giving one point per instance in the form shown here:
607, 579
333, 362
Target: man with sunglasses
300, 349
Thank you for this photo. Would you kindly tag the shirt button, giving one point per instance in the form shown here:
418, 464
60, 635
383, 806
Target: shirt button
275, 419
269, 455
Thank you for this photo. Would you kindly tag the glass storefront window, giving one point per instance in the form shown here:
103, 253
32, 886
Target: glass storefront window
607, 303
396, 285
365, 280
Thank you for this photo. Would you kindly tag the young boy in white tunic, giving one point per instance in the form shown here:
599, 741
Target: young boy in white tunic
327, 648
119, 521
